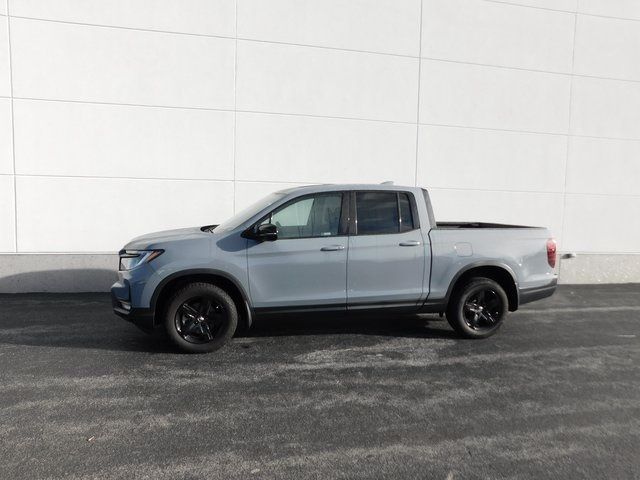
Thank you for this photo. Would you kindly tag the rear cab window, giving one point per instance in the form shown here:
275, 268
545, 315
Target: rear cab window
379, 213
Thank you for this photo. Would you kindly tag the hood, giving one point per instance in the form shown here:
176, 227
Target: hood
157, 239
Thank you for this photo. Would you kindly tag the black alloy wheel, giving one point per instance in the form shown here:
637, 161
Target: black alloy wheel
483, 310
477, 308
200, 317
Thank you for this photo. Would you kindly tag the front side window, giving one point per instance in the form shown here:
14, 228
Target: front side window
311, 216
246, 214
383, 212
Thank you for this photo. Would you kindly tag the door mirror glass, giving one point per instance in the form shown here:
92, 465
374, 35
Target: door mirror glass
267, 232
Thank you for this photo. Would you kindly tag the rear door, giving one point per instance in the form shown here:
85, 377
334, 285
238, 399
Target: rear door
306, 267
386, 264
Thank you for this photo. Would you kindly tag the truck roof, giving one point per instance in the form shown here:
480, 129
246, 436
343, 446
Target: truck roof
330, 187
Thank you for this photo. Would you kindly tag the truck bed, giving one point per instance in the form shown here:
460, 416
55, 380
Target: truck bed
459, 225
456, 245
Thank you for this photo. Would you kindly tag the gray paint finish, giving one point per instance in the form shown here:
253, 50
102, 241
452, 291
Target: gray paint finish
296, 272
521, 250
373, 269
96, 272
381, 270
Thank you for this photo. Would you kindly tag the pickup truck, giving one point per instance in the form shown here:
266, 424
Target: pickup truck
335, 249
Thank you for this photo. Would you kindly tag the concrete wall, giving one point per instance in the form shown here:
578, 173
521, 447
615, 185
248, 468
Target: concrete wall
123, 117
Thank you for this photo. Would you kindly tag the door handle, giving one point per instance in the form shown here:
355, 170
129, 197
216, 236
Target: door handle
410, 243
332, 248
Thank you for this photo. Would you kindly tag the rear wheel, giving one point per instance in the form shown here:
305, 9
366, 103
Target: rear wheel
478, 308
200, 317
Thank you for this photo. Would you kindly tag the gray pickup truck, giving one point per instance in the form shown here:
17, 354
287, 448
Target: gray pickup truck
338, 249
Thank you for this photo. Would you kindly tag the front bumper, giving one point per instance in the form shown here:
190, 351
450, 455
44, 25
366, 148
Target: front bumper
121, 303
528, 295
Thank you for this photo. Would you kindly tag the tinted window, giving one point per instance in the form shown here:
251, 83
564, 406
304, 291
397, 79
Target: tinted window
313, 216
406, 219
377, 212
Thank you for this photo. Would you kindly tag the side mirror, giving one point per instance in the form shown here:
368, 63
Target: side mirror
267, 232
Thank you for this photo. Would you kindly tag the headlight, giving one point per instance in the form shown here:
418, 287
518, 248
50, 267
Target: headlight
130, 259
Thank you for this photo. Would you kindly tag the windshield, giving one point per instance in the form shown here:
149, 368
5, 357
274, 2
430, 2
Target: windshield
245, 214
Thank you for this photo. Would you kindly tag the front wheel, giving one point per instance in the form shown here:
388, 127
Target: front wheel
200, 318
478, 308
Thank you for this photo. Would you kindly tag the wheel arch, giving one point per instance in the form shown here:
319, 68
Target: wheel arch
231, 285
498, 272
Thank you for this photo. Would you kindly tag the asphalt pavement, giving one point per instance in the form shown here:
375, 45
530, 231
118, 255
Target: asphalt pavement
555, 394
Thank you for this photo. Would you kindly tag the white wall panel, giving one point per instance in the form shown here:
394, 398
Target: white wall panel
283, 148
598, 165
607, 108
611, 8
564, 5
316, 81
479, 96
75, 62
246, 193
451, 157
5, 71
520, 208
607, 47
388, 26
99, 214
72, 62
602, 224
497, 34
61, 138
7, 214
6, 152
209, 17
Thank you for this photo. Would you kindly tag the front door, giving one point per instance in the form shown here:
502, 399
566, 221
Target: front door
387, 253
306, 267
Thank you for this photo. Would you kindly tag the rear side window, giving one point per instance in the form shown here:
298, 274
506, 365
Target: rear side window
406, 217
383, 213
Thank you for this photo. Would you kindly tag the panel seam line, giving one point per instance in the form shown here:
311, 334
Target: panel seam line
568, 145
13, 136
415, 176
235, 108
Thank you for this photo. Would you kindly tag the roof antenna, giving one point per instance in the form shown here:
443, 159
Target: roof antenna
388, 182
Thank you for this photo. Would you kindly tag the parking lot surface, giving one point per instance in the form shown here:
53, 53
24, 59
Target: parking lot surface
555, 394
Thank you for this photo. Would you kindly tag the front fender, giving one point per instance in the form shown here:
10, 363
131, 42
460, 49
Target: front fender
192, 272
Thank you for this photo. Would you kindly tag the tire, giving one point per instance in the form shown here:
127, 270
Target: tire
200, 318
478, 308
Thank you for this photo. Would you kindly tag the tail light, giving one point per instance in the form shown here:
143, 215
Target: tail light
551, 252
